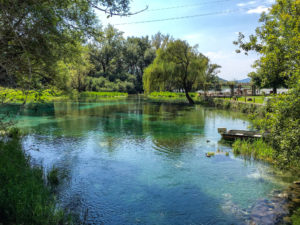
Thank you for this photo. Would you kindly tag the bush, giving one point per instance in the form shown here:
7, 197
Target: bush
282, 120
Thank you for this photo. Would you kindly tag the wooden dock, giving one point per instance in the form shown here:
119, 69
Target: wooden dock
239, 134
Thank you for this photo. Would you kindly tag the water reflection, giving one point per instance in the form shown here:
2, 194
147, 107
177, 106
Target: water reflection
131, 162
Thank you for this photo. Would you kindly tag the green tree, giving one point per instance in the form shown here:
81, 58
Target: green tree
36, 34
137, 55
278, 41
209, 77
160, 40
105, 52
178, 67
282, 120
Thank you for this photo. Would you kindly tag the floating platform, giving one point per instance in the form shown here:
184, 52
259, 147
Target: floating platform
239, 134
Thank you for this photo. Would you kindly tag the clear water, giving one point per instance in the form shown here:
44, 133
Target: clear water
131, 162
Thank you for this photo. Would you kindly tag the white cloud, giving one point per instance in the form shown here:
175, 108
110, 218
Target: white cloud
247, 3
258, 10
216, 55
233, 66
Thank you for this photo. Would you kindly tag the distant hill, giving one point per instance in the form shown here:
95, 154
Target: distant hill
221, 79
246, 80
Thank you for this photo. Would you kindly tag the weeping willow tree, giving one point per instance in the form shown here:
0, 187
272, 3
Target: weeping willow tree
177, 67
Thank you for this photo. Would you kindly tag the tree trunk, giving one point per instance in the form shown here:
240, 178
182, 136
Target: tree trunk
275, 90
191, 101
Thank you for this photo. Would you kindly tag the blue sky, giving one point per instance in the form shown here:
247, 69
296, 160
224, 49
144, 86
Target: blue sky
213, 33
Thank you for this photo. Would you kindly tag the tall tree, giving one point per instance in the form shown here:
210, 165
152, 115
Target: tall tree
160, 40
36, 34
137, 55
179, 66
278, 41
106, 52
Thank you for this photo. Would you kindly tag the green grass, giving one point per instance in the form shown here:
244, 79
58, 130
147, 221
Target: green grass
24, 197
171, 96
254, 99
92, 94
256, 149
8, 95
235, 105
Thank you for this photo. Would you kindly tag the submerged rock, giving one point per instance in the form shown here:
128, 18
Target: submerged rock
269, 212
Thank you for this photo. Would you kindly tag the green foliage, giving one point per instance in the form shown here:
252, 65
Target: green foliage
278, 41
281, 118
118, 64
296, 217
53, 177
256, 149
174, 97
254, 99
40, 39
46, 96
102, 94
235, 105
18, 96
178, 67
24, 199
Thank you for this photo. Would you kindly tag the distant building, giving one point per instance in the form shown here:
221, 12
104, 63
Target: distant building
268, 91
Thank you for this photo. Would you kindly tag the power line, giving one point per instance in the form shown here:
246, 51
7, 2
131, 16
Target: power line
179, 17
197, 4
185, 6
186, 17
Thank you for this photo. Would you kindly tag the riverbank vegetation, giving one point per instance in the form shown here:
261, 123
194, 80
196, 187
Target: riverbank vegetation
67, 55
255, 149
171, 97
247, 99
24, 196
179, 66
277, 41
8, 95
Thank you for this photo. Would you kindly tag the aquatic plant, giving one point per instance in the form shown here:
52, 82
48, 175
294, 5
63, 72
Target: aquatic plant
209, 154
257, 149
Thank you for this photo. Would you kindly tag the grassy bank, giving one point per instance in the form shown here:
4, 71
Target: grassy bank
256, 149
24, 197
171, 97
45, 96
235, 105
248, 99
90, 94
8, 95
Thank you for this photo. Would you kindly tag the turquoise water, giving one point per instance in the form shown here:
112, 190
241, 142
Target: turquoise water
132, 162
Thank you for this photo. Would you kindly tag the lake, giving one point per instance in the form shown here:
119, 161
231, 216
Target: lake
135, 162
